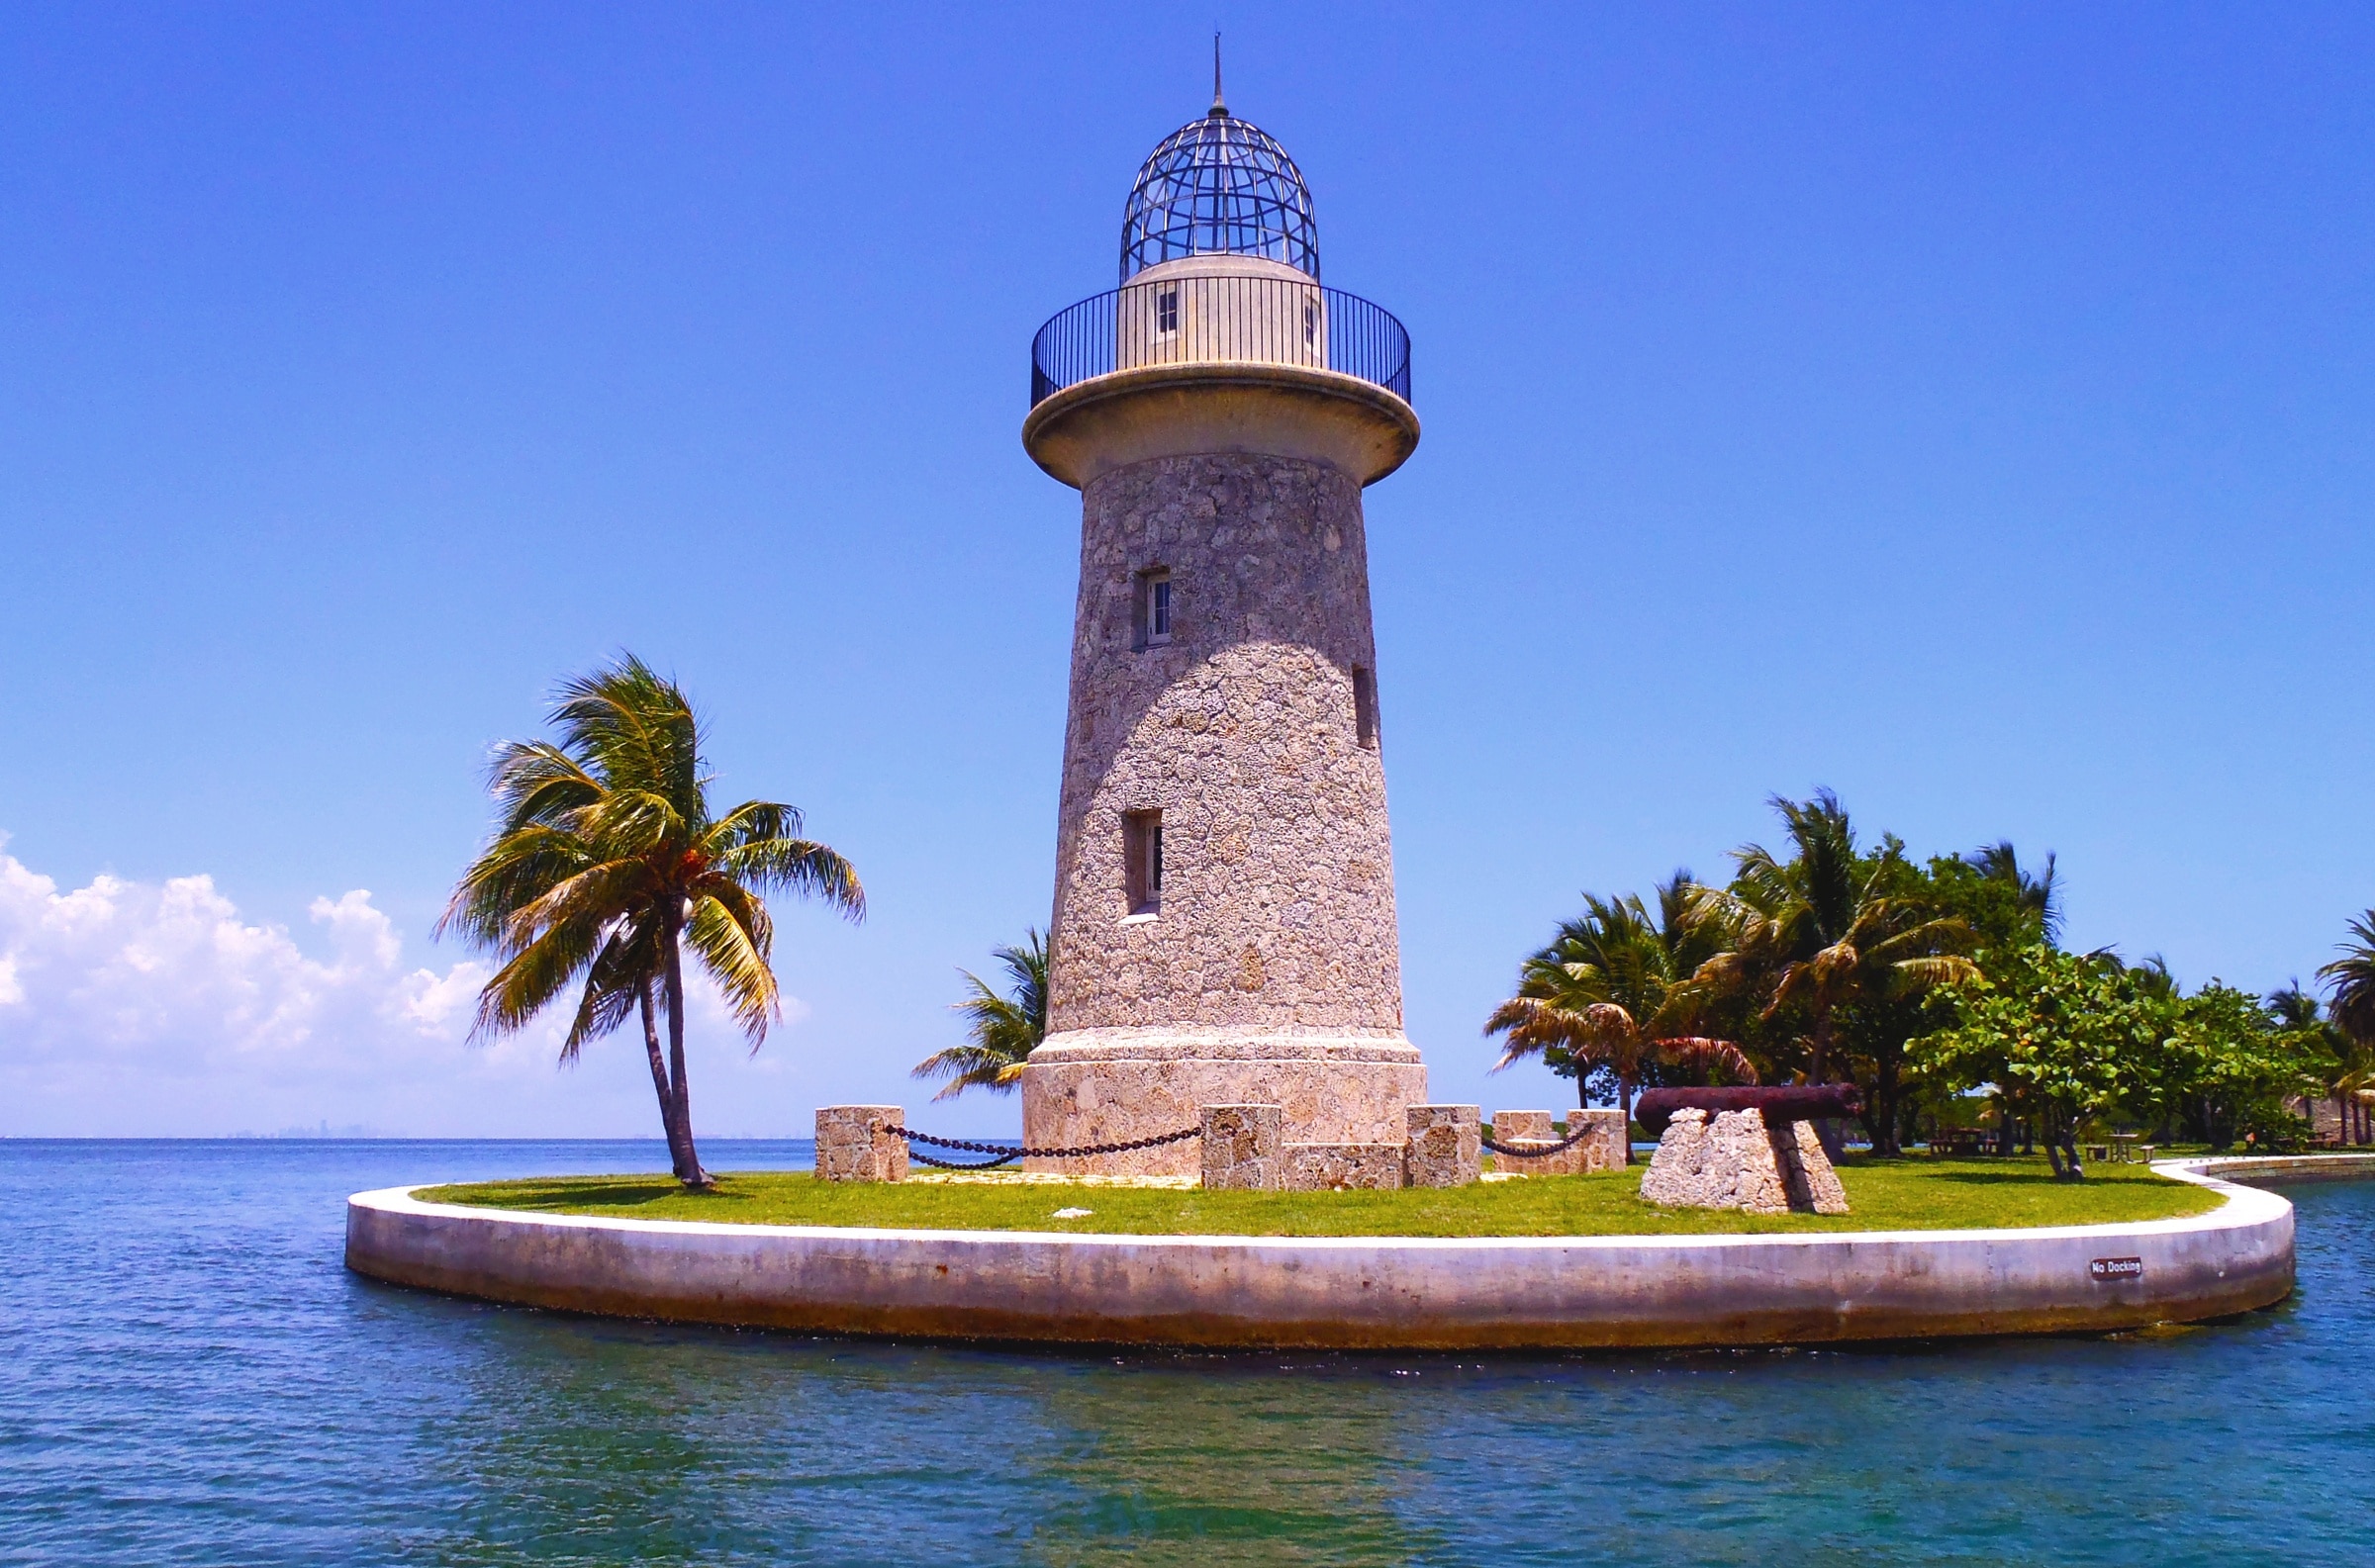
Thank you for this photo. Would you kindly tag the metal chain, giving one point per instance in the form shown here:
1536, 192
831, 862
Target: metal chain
1561, 1147
1006, 1154
952, 1165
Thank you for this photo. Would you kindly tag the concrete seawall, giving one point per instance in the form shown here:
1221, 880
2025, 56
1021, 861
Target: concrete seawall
1360, 1292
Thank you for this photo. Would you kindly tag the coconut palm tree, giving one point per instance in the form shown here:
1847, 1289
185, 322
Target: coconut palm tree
607, 864
1001, 1031
2352, 979
1613, 991
2352, 1011
2038, 894
1823, 928
2296, 1010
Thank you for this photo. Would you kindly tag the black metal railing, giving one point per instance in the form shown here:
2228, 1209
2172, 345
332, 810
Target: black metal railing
1193, 320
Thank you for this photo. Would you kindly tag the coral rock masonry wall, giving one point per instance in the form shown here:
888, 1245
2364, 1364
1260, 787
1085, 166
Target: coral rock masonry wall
1278, 869
1269, 972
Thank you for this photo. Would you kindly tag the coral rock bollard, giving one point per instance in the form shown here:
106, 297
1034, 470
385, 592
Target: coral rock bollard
1446, 1146
1242, 1151
860, 1142
1601, 1146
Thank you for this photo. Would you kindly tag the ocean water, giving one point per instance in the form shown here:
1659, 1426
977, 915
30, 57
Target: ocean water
189, 1376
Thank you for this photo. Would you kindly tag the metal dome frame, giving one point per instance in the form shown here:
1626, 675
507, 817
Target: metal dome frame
1218, 185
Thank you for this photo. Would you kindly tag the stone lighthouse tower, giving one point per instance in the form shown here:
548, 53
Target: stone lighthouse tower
1223, 928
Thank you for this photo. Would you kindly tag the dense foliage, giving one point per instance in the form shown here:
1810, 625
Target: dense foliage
1941, 990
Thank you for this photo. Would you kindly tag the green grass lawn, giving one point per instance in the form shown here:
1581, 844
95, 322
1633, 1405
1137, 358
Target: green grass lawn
1916, 1194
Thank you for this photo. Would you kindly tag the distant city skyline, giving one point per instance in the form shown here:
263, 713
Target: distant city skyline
1962, 409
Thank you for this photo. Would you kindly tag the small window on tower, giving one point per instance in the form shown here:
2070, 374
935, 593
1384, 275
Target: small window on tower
1364, 709
1166, 311
1310, 323
1142, 860
1151, 616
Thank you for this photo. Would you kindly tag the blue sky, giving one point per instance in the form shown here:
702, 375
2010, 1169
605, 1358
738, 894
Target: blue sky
1961, 408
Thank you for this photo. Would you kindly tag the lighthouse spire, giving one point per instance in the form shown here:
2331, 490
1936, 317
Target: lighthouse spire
1220, 109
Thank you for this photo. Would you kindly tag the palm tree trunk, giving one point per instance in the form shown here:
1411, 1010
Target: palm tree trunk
1880, 1115
670, 1127
690, 1173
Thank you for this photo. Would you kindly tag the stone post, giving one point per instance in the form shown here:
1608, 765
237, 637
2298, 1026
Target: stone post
1445, 1148
1609, 1145
1601, 1148
1242, 1147
854, 1143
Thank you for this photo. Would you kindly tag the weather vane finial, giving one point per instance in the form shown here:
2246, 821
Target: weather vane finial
1220, 110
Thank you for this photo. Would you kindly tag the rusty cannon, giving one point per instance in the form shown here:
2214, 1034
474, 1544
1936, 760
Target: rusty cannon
1797, 1102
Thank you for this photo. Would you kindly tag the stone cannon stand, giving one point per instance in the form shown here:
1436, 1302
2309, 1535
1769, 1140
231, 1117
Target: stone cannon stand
1734, 1160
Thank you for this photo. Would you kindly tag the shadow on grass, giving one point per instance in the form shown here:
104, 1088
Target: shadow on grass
596, 1193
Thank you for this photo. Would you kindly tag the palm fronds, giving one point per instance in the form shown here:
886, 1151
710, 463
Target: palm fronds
1001, 1030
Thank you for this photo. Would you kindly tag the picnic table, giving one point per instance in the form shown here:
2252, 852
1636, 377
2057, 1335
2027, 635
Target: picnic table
1961, 1141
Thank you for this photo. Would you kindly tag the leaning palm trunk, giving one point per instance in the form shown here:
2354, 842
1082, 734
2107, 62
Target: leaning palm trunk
672, 1126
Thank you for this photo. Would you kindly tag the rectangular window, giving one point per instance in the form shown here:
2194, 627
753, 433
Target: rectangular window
1364, 709
1310, 324
1166, 311
1142, 860
1150, 610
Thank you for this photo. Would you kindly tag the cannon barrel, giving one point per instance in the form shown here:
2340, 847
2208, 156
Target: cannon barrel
1788, 1103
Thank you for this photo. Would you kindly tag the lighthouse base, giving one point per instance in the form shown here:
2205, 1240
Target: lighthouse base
1090, 1086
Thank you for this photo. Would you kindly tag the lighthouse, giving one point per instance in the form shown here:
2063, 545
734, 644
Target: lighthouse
1223, 929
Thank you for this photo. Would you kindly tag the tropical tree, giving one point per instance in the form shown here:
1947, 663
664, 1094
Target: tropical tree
2353, 977
2065, 1036
2008, 908
1001, 1031
1835, 935
2352, 1070
607, 864
2035, 897
1614, 993
2233, 1067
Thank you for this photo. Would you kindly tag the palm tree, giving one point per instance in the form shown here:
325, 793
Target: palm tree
2296, 1010
1613, 991
1822, 929
2353, 1012
1001, 1031
2353, 977
2038, 894
607, 864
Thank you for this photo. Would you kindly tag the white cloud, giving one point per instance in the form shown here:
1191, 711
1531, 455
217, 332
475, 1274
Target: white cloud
155, 1009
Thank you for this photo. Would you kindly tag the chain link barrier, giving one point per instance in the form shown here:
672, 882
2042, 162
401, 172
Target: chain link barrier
1008, 1155
1545, 1153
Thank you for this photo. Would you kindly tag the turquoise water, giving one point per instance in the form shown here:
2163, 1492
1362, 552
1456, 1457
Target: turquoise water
187, 1376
